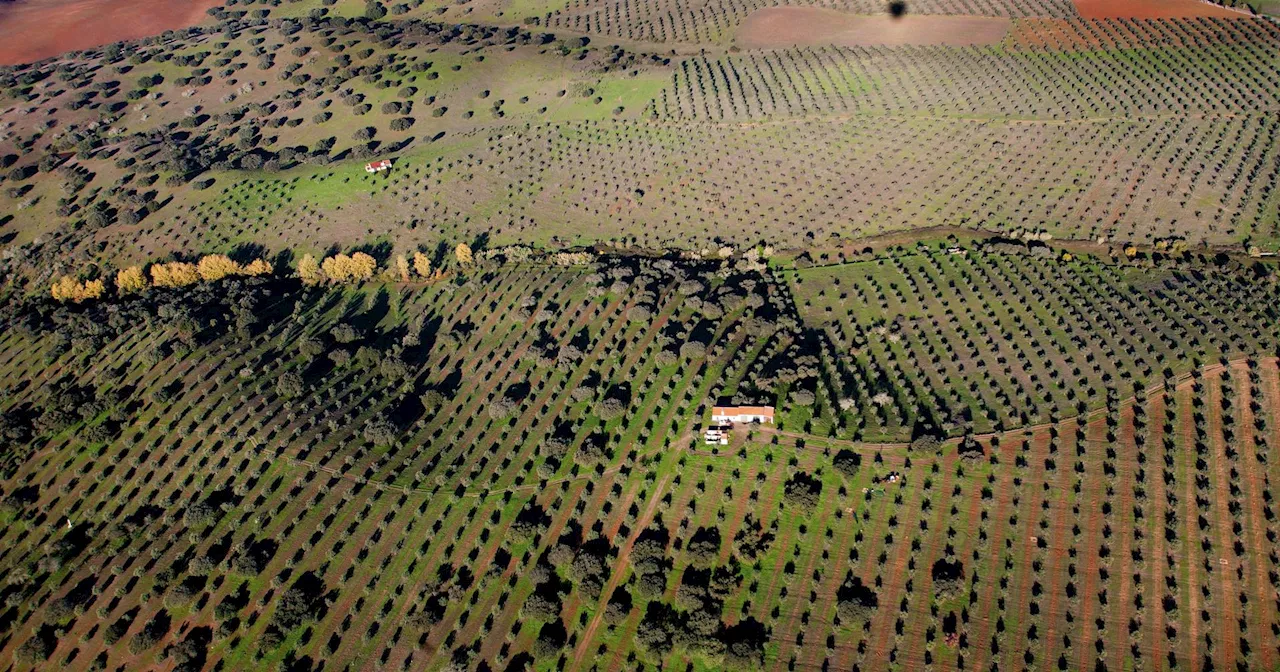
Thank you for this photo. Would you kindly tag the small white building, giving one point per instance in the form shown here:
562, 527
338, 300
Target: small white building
727, 415
377, 166
716, 435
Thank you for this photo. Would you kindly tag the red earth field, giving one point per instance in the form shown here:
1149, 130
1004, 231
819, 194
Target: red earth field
776, 27
31, 30
1154, 9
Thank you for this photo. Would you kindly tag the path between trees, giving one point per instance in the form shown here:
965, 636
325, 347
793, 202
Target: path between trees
1083, 419
857, 446
1078, 121
619, 569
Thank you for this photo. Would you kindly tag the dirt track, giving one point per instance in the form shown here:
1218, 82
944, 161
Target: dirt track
624, 554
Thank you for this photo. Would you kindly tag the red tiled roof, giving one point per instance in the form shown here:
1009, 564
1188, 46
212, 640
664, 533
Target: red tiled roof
743, 410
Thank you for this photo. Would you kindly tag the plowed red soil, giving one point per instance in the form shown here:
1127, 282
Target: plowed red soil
1153, 9
1193, 589
1255, 483
1157, 562
32, 30
776, 27
1229, 637
1119, 610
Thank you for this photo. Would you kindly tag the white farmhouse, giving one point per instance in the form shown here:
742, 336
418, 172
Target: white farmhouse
727, 415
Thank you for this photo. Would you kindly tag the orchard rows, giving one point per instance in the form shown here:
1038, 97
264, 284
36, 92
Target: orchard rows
809, 181
714, 21
977, 81
260, 458
989, 341
1054, 35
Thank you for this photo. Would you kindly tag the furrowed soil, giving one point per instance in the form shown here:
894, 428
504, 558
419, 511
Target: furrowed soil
1088, 556
34, 30
1190, 588
1255, 477
1157, 560
1227, 617
778, 27
981, 623
1120, 611
1061, 546
1153, 9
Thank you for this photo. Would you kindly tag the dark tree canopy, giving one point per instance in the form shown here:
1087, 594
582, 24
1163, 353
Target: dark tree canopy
847, 462
948, 578
855, 601
744, 645
704, 546
802, 491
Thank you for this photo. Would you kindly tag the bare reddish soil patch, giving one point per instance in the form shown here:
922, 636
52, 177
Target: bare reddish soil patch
1073, 35
32, 30
774, 27
1154, 9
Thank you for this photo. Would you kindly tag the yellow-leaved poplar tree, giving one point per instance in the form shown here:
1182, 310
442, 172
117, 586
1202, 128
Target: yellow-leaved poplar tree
354, 268
309, 270
63, 288
216, 267
258, 267
174, 274
130, 280
363, 266
463, 254
68, 288
422, 264
94, 289
336, 267
402, 268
